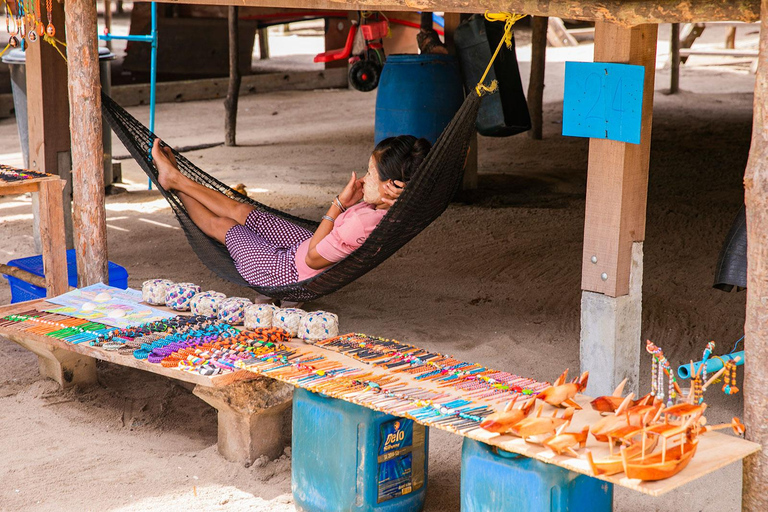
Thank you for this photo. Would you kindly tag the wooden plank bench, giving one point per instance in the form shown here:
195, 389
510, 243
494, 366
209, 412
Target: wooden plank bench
250, 408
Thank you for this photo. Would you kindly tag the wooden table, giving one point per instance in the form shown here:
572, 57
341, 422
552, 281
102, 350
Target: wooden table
52, 237
250, 408
250, 405
715, 450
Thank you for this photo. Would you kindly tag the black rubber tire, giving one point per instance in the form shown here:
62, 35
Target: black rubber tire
364, 75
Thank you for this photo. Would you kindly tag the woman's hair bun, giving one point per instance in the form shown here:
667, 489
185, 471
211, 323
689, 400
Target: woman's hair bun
398, 158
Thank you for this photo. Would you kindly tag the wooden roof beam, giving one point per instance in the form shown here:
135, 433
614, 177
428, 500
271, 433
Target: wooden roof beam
624, 12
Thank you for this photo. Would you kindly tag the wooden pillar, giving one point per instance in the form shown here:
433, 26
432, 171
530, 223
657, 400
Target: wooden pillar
48, 119
89, 215
52, 236
536, 80
674, 59
755, 478
263, 34
233, 91
47, 106
108, 20
469, 182
614, 227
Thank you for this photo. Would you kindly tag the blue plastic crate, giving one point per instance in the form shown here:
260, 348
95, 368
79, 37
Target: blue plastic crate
22, 291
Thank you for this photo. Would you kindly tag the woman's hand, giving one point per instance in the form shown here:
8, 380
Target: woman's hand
353, 191
392, 190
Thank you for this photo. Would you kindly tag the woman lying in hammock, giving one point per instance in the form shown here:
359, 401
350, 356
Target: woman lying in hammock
271, 251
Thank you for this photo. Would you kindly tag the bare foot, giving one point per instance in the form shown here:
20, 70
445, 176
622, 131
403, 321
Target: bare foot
167, 172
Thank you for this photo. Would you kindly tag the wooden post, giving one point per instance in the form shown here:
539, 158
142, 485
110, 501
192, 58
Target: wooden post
614, 227
48, 119
89, 215
263, 43
730, 38
52, 237
755, 469
674, 59
536, 81
469, 182
233, 92
47, 107
108, 19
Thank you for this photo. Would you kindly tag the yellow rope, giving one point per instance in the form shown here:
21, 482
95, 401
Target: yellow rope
5, 49
55, 43
509, 20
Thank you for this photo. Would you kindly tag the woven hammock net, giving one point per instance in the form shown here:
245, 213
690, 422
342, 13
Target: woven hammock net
426, 197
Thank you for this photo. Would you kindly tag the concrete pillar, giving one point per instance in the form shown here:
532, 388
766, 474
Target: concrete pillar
611, 341
252, 418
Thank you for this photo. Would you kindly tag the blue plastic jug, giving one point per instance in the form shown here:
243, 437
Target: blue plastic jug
497, 481
418, 95
349, 458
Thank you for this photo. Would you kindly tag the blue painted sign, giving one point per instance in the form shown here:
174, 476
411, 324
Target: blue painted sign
603, 101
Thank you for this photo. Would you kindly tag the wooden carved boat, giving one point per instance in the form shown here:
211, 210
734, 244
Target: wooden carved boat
537, 425
565, 441
501, 422
661, 465
614, 464
561, 395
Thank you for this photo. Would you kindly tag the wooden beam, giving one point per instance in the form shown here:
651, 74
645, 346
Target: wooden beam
624, 12
23, 275
617, 179
47, 106
539, 25
89, 215
755, 469
233, 91
54, 246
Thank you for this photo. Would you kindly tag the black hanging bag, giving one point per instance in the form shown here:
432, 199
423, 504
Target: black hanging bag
505, 112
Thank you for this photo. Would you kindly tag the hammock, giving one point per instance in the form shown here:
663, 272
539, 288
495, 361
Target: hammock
426, 197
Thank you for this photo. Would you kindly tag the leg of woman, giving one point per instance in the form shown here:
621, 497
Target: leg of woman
171, 178
211, 224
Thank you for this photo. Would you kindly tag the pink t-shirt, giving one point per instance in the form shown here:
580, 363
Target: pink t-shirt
349, 232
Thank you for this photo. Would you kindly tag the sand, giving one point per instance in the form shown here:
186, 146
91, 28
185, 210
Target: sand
495, 280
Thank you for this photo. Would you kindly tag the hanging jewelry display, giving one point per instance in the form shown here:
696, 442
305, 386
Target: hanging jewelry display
659, 367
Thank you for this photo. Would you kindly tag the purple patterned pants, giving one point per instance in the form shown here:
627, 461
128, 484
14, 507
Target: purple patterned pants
264, 249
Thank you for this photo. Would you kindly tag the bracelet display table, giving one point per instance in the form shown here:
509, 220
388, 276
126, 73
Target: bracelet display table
248, 406
252, 401
50, 189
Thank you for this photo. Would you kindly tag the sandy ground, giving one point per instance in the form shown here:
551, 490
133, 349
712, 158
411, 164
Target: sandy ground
495, 280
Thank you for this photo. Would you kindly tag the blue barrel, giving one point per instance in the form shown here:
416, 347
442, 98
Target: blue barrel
349, 458
418, 95
497, 481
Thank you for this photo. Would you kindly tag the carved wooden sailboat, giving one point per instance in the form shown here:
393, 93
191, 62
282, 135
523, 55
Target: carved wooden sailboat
609, 403
560, 394
614, 464
501, 422
563, 442
661, 465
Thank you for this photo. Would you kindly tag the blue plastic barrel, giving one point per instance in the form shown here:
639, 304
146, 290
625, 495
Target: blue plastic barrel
497, 481
418, 95
349, 458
